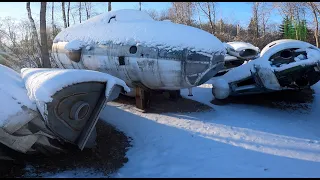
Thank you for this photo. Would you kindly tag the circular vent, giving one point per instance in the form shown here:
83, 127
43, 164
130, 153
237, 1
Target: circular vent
79, 110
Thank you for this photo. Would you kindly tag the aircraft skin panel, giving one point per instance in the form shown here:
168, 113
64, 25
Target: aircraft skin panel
155, 68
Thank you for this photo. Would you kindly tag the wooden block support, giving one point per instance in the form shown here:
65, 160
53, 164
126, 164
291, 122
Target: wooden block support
142, 98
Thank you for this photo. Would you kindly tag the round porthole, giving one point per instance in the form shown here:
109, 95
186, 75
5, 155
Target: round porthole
79, 110
133, 49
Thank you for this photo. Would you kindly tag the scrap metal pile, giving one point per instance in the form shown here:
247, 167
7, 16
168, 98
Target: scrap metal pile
281, 65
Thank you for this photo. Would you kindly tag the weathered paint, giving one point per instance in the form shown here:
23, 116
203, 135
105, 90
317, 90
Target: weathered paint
153, 67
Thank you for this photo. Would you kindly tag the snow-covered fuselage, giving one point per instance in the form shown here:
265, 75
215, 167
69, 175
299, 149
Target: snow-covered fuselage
130, 45
154, 68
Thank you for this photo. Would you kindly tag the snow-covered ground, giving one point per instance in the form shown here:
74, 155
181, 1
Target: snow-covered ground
230, 141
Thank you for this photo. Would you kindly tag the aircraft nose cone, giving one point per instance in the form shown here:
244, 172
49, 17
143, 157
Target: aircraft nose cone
200, 67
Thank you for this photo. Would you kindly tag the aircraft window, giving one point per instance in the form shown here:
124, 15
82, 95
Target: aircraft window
133, 49
121, 60
113, 17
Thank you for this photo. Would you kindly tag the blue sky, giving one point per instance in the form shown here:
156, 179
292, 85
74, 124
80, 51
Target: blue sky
232, 12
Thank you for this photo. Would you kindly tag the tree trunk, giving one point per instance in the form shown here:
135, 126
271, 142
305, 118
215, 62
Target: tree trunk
68, 14
238, 29
264, 29
52, 20
210, 19
43, 35
64, 14
34, 33
220, 26
73, 18
316, 21
87, 7
139, 6
200, 23
257, 25
109, 6
80, 12
255, 18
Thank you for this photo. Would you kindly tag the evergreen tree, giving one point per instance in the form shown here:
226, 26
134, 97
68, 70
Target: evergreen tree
284, 27
290, 29
304, 30
291, 33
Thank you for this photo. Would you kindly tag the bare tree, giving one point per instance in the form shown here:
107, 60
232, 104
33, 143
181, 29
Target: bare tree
163, 15
238, 29
64, 14
109, 6
208, 8
152, 13
88, 7
80, 9
182, 12
255, 12
264, 14
221, 26
286, 8
43, 35
315, 11
68, 14
34, 32
199, 17
73, 14
15, 40
52, 20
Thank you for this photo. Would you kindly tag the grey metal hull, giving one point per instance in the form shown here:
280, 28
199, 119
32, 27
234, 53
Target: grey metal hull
155, 68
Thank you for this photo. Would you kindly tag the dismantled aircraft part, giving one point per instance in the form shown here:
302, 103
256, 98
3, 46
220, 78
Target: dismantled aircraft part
28, 138
152, 71
242, 50
124, 49
230, 62
283, 64
299, 77
68, 111
145, 64
238, 53
267, 78
220, 89
71, 109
